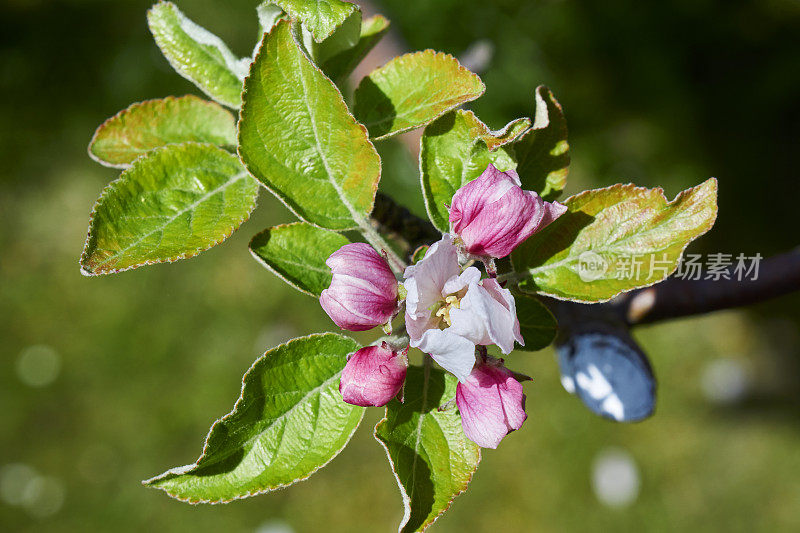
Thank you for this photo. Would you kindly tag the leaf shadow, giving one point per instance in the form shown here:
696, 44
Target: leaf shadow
374, 108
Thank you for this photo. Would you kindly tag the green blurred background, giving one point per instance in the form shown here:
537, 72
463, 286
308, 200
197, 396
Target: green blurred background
110, 380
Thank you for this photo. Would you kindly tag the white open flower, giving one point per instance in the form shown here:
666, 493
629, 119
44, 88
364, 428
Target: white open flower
449, 311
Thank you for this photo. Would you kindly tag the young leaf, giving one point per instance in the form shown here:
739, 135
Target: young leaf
296, 253
614, 240
341, 65
289, 422
321, 17
454, 150
197, 54
432, 459
342, 39
174, 203
543, 152
298, 138
141, 127
536, 323
268, 15
411, 91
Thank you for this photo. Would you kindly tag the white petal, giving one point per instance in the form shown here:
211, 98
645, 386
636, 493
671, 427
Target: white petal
428, 277
456, 283
469, 324
485, 317
453, 352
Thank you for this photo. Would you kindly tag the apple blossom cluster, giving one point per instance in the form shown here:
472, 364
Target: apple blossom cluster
450, 307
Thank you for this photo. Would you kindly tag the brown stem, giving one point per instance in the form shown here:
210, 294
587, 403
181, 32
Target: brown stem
674, 297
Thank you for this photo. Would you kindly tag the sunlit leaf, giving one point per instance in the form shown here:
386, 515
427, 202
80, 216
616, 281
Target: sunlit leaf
289, 422
454, 151
298, 138
171, 204
413, 90
321, 17
614, 240
431, 457
297, 254
543, 152
154, 123
197, 54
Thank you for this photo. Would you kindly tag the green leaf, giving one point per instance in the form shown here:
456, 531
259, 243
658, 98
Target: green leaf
146, 125
342, 65
590, 253
453, 152
197, 54
174, 203
342, 39
298, 138
413, 90
536, 323
432, 459
289, 422
296, 253
321, 17
543, 152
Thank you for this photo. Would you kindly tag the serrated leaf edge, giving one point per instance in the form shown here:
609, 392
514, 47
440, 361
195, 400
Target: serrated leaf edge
358, 218
179, 69
434, 54
171, 259
631, 186
403, 494
134, 106
181, 470
273, 270
423, 152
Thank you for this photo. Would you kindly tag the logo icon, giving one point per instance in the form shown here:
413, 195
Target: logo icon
591, 266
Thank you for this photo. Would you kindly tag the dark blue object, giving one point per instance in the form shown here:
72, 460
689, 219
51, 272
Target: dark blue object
611, 376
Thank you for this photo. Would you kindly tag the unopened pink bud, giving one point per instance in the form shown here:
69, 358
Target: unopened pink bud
373, 376
491, 403
492, 214
363, 291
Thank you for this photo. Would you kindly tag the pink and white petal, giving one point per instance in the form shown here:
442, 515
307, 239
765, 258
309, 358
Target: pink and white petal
491, 403
481, 412
373, 376
505, 297
452, 352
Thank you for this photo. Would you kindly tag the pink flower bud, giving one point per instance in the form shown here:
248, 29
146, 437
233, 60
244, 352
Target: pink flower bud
493, 215
363, 292
491, 403
373, 376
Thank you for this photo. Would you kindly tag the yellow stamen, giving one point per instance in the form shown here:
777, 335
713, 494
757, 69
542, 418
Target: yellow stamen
451, 302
